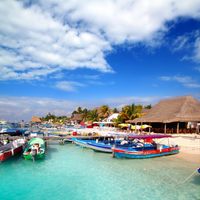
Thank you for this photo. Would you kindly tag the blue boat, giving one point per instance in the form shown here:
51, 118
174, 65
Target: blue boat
146, 149
81, 142
102, 145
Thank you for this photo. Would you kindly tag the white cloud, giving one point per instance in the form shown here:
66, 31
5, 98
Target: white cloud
34, 44
121, 20
190, 42
181, 42
197, 50
69, 86
48, 36
186, 81
119, 102
18, 108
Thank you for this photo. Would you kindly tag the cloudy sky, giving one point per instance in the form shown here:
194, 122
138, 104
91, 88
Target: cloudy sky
56, 55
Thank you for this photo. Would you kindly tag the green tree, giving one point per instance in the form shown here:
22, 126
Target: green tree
92, 115
103, 111
129, 112
148, 106
115, 110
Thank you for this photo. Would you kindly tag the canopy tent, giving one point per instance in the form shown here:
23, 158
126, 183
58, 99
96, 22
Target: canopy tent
155, 136
103, 122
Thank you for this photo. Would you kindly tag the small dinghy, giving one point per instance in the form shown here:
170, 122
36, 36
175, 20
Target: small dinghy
35, 149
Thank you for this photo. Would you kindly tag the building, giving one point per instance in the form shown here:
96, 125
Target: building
35, 119
176, 115
77, 118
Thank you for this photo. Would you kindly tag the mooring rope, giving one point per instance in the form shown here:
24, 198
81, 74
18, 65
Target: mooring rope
187, 178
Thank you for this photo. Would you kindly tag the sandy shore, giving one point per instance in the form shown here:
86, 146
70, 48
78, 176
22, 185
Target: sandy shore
190, 148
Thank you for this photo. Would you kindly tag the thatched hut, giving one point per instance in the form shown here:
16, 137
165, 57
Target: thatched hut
180, 115
77, 118
35, 119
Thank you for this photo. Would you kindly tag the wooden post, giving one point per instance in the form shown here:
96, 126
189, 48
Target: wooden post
177, 130
149, 127
165, 128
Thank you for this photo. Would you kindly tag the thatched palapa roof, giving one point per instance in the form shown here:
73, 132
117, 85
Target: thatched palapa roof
77, 117
36, 119
179, 109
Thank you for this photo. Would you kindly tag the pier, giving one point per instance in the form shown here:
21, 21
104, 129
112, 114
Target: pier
61, 139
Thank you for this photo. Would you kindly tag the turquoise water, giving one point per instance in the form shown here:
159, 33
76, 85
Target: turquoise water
71, 172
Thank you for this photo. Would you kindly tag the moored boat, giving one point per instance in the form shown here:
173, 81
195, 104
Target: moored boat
81, 142
105, 145
101, 144
96, 145
12, 148
35, 149
145, 148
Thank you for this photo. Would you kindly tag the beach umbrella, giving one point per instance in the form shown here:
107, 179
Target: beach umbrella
124, 125
145, 126
136, 127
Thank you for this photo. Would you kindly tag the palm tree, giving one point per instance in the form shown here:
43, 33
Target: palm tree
148, 106
130, 112
115, 110
85, 114
92, 115
104, 111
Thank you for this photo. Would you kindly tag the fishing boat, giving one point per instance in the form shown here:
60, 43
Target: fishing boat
11, 148
94, 144
35, 149
101, 145
145, 147
81, 142
106, 145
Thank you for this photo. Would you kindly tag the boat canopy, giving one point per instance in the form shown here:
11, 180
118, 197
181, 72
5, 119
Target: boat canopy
157, 136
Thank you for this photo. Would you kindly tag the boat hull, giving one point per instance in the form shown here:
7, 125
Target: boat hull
37, 157
100, 147
91, 144
121, 153
82, 143
11, 152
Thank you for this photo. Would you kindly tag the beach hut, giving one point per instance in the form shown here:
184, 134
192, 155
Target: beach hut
35, 120
175, 115
76, 118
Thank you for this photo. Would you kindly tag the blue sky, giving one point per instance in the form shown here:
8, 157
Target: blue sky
58, 55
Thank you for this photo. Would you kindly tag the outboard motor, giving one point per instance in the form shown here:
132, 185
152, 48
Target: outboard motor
33, 153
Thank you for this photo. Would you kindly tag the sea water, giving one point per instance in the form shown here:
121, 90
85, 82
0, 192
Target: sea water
75, 173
